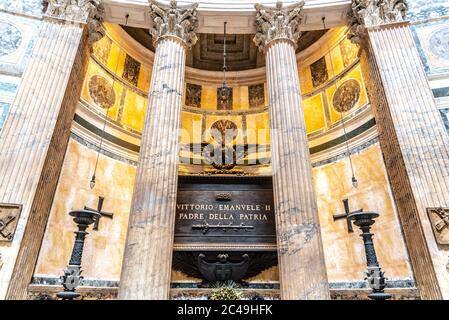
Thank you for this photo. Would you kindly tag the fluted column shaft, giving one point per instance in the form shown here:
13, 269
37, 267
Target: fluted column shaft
415, 146
300, 253
147, 261
33, 143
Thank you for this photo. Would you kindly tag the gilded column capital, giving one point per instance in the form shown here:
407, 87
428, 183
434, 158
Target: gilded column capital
278, 23
174, 21
371, 13
89, 12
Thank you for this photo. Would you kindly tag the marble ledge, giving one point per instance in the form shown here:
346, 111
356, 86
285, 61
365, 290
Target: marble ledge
40, 292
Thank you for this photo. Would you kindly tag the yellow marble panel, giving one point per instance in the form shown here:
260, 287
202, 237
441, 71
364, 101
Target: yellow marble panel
99, 49
240, 98
337, 61
265, 92
103, 253
209, 98
191, 127
258, 128
314, 113
144, 78
334, 114
116, 61
349, 51
344, 253
305, 79
134, 110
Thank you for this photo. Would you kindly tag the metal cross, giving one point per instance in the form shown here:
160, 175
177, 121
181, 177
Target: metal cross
103, 214
346, 215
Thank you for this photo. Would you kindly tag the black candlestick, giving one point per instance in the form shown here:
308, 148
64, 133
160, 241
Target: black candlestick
72, 275
375, 276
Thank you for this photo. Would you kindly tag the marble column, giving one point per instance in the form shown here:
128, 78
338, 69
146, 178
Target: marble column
414, 142
302, 268
35, 136
147, 260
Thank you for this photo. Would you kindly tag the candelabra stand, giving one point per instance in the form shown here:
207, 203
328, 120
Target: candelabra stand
375, 276
72, 275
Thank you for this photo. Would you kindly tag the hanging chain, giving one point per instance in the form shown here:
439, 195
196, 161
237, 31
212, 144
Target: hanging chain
224, 54
93, 179
348, 151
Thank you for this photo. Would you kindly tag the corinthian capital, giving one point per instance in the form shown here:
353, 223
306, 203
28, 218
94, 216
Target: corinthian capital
278, 23
369, 13
174, 20
90, 12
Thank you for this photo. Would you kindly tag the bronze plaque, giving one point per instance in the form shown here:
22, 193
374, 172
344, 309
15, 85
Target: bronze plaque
439, 218
9, 216
225, 213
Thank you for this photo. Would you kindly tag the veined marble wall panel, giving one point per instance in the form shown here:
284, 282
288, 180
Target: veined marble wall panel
432, 41
29, 7
345, 260
424, 9
17, 36
103, 252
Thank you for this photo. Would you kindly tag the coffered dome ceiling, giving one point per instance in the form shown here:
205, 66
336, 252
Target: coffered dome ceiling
207, 54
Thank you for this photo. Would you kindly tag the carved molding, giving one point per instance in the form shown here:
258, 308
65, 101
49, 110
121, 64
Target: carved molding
439, 218
371, 13
9, 217
278, 23
174, 20
90, 12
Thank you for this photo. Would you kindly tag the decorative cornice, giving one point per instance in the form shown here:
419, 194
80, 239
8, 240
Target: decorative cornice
174, 21
278, 23
371, 13
89, 12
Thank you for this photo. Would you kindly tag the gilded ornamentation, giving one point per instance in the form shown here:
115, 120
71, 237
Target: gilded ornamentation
439, 218
347, 96
319, 72
224, 104
256, 95
227, 131
278, 23
131, 70
101, 92
369, 13
90, 12
11, 38
174, 20
193, 95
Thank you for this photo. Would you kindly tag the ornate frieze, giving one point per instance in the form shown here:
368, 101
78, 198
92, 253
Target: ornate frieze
174, 20
278, 23
90, 12
370, 13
